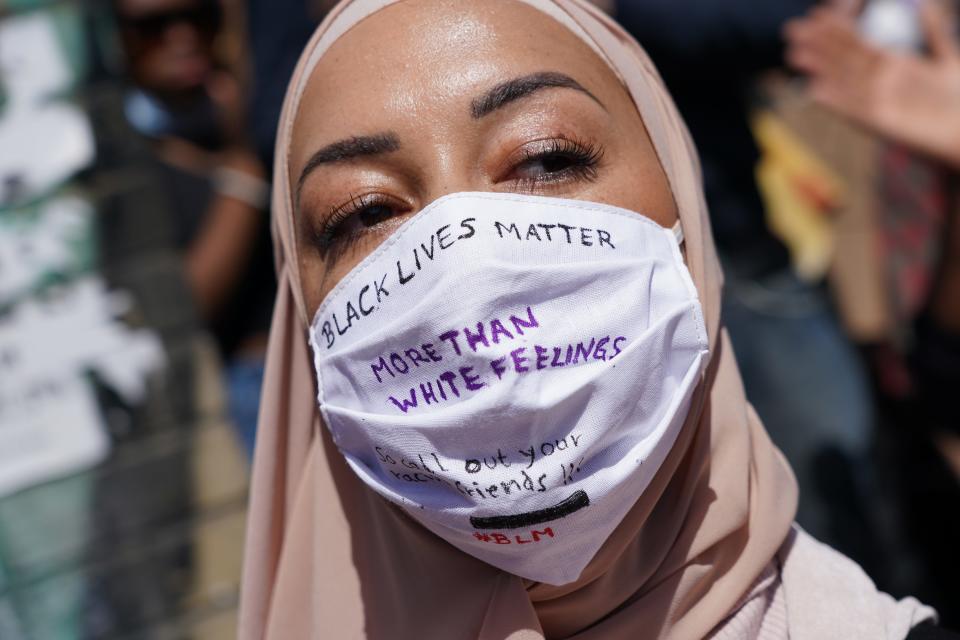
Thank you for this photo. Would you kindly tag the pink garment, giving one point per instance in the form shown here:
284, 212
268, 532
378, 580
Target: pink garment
809, 591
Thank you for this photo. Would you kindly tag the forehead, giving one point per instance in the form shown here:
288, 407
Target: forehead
414, 58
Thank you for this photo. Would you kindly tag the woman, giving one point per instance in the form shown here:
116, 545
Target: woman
530, 422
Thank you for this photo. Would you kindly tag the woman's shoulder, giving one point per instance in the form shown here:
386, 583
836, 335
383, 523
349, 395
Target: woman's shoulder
828, 595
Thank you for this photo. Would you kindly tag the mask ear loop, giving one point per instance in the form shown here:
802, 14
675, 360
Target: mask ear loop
677, 232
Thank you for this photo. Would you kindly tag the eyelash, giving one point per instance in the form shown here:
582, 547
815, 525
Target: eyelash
331, 231
583, 157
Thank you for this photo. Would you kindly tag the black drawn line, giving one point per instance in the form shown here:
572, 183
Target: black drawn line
575, 502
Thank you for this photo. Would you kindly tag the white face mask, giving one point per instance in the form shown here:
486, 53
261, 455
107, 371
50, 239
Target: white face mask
512, 371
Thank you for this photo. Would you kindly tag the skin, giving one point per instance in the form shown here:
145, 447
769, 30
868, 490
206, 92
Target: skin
414, 70
178, 60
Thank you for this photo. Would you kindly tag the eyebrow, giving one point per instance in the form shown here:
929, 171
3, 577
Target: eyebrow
512, 90
388, 141
348, 149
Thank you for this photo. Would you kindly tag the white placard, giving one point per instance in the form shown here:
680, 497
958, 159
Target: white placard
49, 420
42, 143
31, 251
48, 430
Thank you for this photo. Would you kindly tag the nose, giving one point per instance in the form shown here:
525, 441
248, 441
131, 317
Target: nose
451, 172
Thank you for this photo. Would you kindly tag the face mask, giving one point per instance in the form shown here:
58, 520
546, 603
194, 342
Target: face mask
512, 371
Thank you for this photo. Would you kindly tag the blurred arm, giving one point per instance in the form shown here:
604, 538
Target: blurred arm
219, 254
910, 98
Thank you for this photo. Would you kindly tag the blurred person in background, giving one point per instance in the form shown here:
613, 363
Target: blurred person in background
910, 95
183, 98
801, 373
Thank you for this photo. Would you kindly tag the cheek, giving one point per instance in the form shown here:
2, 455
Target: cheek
638, 186
649, 193
317, 280
637, 180
312, 283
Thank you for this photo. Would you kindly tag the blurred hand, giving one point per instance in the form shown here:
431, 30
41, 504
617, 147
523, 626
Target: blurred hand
908, 97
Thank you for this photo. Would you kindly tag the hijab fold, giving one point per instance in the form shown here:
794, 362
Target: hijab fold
327, 557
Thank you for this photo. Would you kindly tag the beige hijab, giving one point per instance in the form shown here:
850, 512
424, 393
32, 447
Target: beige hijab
328, 558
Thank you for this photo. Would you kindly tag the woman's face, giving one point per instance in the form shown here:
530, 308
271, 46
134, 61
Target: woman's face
431, 97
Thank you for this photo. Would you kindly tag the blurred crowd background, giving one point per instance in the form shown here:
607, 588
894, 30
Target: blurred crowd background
136, 282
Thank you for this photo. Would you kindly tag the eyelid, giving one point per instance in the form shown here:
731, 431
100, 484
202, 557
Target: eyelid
325, 232
532, 149
585, 161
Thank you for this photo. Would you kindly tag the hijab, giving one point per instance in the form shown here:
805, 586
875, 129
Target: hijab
327, 557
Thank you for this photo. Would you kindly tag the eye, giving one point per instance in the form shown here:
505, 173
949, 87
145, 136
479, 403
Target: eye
349, 222
555, 160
